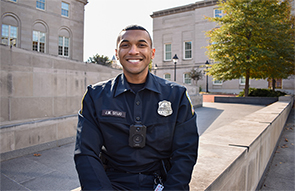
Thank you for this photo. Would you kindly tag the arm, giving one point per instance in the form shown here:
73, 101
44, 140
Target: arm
184, 148
88, 146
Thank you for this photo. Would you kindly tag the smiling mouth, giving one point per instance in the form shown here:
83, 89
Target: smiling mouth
134, 60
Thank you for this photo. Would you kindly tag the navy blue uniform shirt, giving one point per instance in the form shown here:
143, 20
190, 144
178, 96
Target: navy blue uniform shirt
108, 110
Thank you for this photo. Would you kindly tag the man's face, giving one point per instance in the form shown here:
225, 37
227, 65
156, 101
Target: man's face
134, 52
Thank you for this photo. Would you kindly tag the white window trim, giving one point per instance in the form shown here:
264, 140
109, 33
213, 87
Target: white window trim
240, 81
44, 6
167, 78
214, 15
183, 79
218, 84
67, 10
63, 46
39, 37
165, 52
184, 50
9, 35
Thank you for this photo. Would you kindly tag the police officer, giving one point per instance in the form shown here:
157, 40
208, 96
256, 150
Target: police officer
136, 131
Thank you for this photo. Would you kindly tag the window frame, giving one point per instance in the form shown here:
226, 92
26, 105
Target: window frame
215, 15
241, 79
39, 42
164, 76
63, 46
185, 50
186, 78
217, 82
10, 37
65, 10
165, 52
41, 2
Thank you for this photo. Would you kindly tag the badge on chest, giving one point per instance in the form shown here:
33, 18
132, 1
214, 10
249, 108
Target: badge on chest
165, 108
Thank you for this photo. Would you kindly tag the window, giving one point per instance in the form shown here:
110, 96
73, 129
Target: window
277, 85
217, 13
217, 82
186, 78
167, 77
39, 41
187, 50
242, 81
9, 35
40, 4
63, 46
167, 52
65, 9
13, 0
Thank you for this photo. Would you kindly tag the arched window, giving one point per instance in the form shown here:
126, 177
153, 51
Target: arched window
39, 37
167, 76
64, 43
10, 27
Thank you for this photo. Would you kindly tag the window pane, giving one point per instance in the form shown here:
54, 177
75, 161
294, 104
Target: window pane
13, 32
168, 54
40, 4
35, 46
217, 13
64, 9
60, 41
42, 37
5, 30
35, 36
67, 40
42, 47
66, 51
59, 50
188, 50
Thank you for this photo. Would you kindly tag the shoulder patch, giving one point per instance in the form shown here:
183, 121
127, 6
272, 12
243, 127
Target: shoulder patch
189, 99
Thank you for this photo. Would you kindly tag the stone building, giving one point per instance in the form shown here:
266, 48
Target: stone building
181, 31
53, 27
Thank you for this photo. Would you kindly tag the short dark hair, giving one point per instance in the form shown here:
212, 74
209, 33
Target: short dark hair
134, 27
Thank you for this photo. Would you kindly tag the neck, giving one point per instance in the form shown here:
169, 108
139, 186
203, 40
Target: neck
136, 79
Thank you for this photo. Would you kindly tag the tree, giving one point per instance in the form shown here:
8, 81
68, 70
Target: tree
103, 60
195, 74
254, 39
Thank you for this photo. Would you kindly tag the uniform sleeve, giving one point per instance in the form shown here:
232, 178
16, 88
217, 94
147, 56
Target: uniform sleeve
184, 148
89, 142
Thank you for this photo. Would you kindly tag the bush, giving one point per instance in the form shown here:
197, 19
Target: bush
257, 92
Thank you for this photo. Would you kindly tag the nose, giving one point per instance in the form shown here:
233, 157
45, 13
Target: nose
133, 50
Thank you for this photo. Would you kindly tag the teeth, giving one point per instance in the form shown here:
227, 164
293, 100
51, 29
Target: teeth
133, 60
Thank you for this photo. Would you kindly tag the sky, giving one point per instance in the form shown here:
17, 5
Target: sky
104, 19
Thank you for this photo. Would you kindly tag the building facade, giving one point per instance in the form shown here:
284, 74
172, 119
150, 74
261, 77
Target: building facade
54, 27
181, 31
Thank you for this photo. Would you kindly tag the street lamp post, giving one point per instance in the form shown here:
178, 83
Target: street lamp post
175, 60
155, 68
207, 63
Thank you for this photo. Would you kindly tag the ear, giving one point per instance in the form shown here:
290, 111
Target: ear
153, 53
117, 56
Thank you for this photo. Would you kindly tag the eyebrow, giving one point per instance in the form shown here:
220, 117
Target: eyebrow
129, 41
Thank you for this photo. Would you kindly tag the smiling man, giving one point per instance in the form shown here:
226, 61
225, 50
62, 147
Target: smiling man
136, 131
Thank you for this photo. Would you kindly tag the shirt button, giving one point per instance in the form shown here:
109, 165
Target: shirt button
137, 118
138, 103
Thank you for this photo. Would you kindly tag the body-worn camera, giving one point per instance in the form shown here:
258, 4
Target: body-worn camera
137, 136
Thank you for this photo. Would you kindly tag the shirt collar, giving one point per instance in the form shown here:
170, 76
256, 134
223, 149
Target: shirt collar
123, 86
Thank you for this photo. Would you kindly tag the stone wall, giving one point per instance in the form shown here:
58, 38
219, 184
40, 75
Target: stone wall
40, 97
235, 156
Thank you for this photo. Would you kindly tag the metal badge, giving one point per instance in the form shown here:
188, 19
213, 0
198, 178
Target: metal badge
165, 108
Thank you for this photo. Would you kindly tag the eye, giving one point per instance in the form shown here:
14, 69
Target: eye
142, 45
124, 45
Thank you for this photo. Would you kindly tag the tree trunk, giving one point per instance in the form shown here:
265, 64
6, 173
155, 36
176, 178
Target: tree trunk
273, 84
247, 83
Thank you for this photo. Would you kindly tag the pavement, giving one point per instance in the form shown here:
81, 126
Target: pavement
54, 169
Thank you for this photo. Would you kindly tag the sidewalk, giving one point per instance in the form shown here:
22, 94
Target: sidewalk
280, 175
54, 169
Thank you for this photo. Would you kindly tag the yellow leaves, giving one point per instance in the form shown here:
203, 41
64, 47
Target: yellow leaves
37, 155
